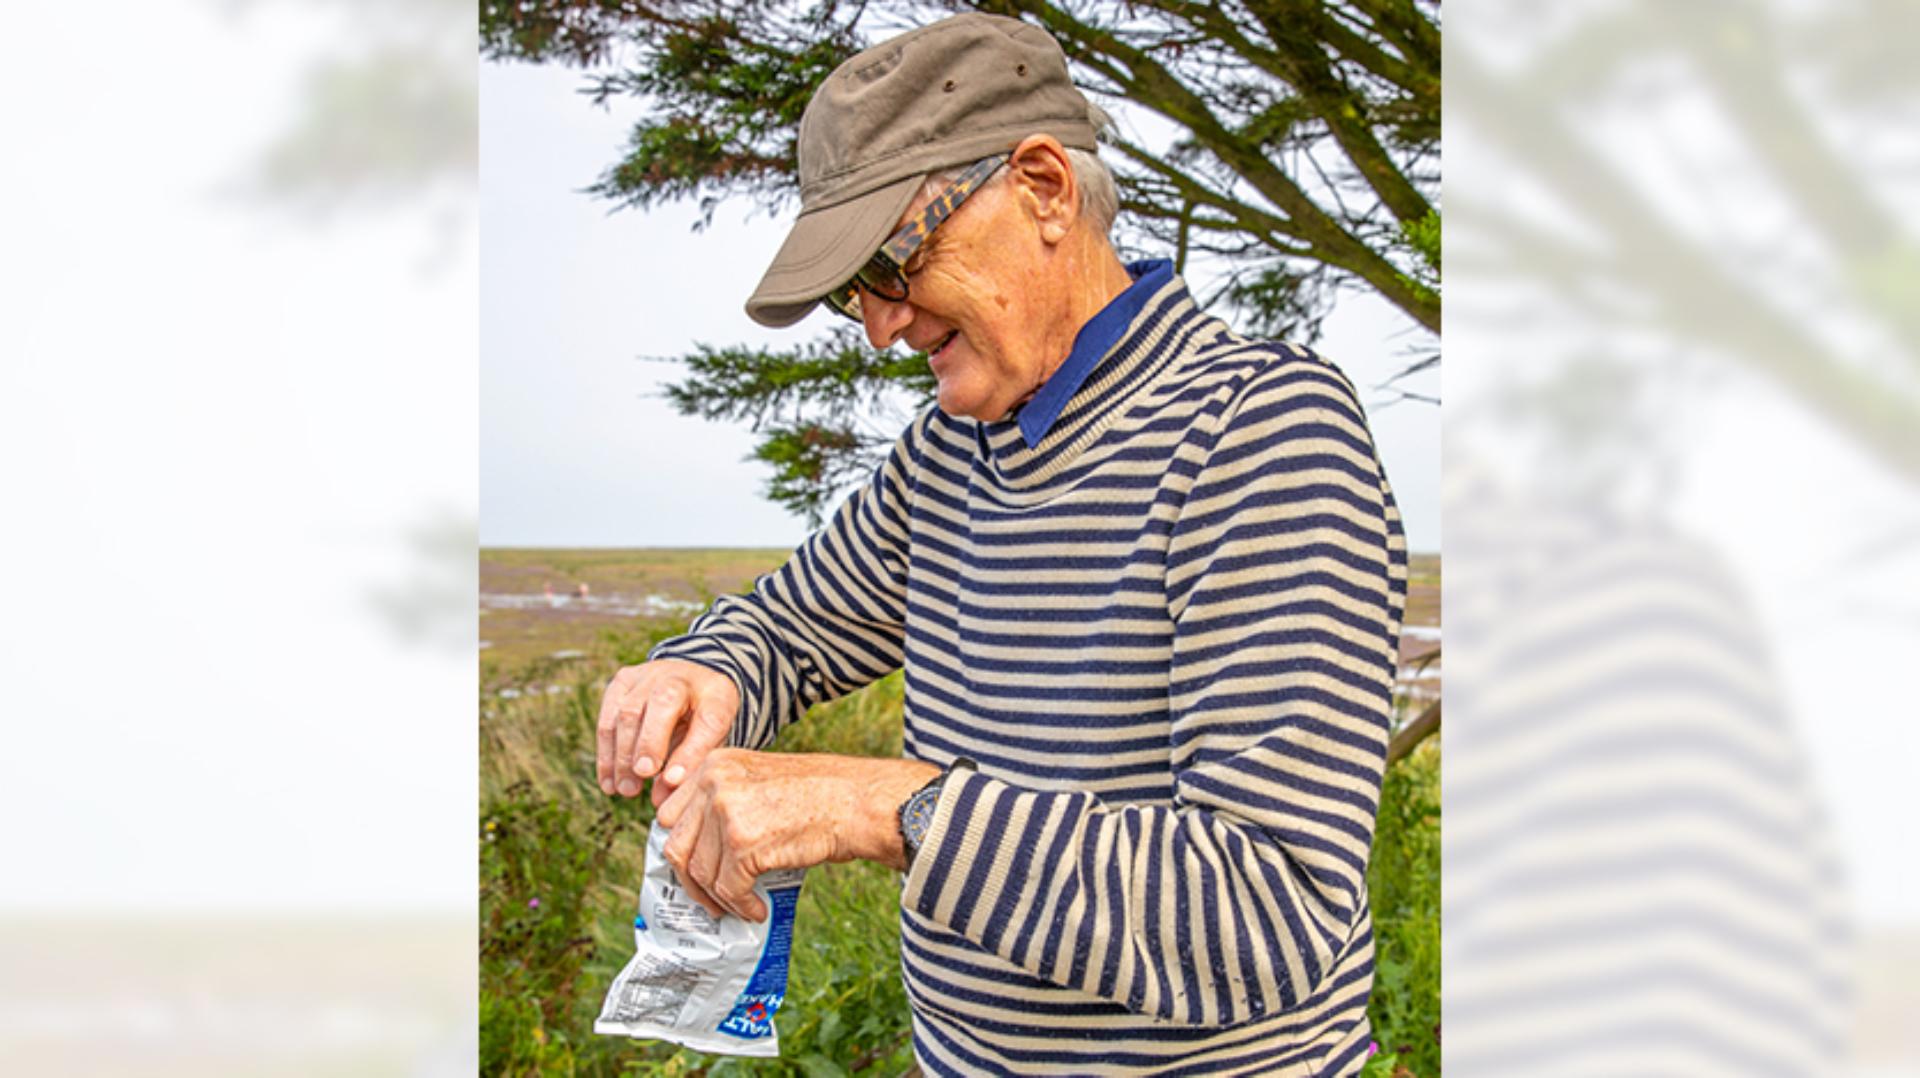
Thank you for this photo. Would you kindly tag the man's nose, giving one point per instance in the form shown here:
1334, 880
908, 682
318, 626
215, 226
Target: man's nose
885, 319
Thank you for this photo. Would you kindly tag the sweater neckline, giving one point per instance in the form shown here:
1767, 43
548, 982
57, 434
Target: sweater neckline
1129, 365
1039, 414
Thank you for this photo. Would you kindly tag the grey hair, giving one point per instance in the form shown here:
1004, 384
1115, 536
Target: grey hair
1099, 198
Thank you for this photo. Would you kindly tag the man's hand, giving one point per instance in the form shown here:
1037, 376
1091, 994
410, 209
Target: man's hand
661, 718
745, 813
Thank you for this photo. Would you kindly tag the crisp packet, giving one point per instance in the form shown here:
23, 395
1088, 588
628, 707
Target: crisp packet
713, 986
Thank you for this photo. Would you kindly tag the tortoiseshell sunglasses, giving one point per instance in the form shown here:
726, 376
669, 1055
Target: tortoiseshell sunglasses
885, 273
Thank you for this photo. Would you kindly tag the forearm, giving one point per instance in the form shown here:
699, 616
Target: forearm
1191, 914
747, 813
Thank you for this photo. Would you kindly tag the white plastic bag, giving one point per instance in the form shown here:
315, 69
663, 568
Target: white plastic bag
712, 986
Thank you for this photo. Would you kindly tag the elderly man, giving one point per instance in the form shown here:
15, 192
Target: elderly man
1145, 578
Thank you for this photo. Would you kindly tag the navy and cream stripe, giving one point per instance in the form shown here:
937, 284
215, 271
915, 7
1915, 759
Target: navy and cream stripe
1167, 634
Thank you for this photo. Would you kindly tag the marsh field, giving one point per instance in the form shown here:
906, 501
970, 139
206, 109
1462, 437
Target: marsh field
560, 861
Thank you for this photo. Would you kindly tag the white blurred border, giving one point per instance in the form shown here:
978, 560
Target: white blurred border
239, 395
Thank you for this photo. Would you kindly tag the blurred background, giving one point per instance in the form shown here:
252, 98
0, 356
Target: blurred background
1683, 538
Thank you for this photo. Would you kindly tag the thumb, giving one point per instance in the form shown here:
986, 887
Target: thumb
707, 731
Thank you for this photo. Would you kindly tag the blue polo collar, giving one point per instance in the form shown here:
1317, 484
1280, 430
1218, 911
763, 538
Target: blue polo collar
1093, 342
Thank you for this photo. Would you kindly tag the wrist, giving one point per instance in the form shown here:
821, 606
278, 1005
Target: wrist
888, 792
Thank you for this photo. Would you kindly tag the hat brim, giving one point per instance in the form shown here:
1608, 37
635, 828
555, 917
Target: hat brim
825, 249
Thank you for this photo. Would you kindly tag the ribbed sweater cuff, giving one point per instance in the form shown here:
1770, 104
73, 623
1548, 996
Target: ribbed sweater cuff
949, 842
985, 863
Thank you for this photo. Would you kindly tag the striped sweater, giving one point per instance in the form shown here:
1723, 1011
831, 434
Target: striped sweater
1167, 633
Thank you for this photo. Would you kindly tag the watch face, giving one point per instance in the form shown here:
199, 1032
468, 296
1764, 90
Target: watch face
916, 817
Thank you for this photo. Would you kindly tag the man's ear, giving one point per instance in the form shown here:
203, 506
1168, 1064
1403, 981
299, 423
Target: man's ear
1045, 186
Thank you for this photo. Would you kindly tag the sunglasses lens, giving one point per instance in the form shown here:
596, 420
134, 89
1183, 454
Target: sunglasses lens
845, 300
881, 277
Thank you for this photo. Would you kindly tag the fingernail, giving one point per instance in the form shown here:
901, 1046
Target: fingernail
629, 787
674, 775
606, 787
643, 766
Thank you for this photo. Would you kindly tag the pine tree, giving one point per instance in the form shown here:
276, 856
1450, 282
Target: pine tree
1305, 163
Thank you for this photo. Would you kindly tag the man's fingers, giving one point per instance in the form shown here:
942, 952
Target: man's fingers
604, 752
703, 867
667, 813
606, 724
711, 725
679, 842
672, 776
707, 731
707, 902
626, 736
646, 717
666, 706
678, 851
735, 888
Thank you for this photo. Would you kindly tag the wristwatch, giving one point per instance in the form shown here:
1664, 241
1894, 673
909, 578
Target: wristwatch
916, 812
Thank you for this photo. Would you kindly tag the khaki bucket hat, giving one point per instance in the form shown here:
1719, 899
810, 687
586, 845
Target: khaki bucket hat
930, 99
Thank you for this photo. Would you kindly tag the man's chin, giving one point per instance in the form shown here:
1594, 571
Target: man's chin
957, 413
958, 403
972, 409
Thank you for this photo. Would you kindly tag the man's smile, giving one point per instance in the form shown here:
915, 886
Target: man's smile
939, 349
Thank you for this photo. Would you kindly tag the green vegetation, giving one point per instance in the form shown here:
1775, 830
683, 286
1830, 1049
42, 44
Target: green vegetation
559, 863
1404, 878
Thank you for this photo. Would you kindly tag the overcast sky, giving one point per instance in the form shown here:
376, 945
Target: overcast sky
576, 446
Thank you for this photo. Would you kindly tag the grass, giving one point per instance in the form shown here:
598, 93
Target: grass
1404, 879
546, 833
516, 638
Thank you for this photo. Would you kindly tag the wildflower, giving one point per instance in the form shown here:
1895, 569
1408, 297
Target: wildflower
533, 903
1373, 1048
